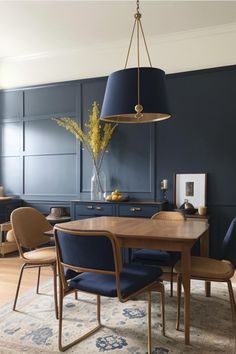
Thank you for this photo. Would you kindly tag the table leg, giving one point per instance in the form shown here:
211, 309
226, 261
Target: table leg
186, 263
204, 252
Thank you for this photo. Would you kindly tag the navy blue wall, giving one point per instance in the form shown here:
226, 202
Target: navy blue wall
42, 161
201, 138
44, 164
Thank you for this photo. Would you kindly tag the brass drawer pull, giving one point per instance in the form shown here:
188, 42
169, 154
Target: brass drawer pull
98, 208
89, 207
135, 209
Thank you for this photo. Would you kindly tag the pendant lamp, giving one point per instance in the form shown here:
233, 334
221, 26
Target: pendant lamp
136, 95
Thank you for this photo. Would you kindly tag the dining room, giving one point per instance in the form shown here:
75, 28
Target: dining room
114, 112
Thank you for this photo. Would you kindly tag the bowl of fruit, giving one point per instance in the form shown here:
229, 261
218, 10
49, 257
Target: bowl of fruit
116, 196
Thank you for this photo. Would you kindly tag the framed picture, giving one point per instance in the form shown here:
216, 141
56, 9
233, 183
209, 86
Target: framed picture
190, 186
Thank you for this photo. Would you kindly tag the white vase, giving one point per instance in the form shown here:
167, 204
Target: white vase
98, 185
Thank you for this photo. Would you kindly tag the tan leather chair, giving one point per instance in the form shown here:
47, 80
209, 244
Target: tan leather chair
159, 257
169, 215
29, 226
208, 269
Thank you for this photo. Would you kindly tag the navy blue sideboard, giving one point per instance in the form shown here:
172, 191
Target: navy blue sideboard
88, 209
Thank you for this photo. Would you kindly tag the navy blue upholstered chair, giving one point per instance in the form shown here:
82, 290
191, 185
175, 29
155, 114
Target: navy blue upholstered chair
161, 258
208, 269
97, 255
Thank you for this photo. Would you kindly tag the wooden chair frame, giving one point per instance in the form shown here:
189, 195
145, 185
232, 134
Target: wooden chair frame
230, 289
64, 288
30, 263
53, 266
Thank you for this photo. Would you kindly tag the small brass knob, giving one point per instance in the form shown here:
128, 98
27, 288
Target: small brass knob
138, 108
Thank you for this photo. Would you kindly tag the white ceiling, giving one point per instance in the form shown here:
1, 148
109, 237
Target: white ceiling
34, 27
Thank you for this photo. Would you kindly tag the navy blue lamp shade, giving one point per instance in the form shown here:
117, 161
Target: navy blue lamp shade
121, 96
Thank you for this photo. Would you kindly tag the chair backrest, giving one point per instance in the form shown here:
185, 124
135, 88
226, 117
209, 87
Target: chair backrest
229, 243
85, 251
169, 215
29, 226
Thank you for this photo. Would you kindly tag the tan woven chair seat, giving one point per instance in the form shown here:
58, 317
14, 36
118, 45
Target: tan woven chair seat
41, 255
207, 268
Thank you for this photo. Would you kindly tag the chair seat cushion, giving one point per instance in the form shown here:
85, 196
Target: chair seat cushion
160, 258
132, 278
69, 273
208, 268
44, 254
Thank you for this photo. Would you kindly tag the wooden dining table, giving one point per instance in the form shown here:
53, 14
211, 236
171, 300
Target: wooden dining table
154, 234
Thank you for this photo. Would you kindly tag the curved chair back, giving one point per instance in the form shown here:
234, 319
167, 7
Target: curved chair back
85, 251
29, 226
169, 215
229, 243
96, 256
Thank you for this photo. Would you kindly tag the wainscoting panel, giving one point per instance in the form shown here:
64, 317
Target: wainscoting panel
50, 99
10, 174
50, 175
10, 138
46, 137
129, 160
11, 104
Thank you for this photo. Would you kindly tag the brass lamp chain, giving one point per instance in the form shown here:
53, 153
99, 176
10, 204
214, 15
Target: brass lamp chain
137, 21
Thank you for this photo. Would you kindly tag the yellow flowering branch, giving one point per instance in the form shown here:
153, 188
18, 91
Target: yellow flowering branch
95, 139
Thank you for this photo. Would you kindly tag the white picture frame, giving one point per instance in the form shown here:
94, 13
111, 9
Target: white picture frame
190, 186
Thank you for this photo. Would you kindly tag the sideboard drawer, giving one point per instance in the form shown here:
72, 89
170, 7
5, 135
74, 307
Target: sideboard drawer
133, 210
81, 209
94, 209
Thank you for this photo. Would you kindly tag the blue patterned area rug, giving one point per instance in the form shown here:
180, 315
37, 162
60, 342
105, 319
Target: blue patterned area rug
33, 329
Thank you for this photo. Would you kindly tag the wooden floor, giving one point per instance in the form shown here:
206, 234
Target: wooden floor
9, 272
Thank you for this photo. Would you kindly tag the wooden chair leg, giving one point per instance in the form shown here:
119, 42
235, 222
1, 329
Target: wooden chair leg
160, 288
179, 286
54, 269
232, 300
163, 310
61, 295
149, 322
62, 347
98, 309
39, 272
18, 286
171, 281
